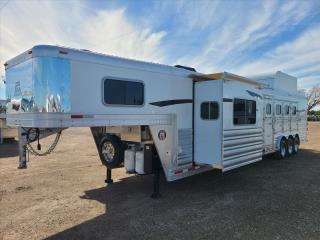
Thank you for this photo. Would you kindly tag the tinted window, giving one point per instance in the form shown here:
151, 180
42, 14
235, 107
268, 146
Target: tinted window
268, 108
278, 109
286, 109
244, 111
134, 93
209, 110
294, 110
251, 112
123, 92
239, 111
204, 110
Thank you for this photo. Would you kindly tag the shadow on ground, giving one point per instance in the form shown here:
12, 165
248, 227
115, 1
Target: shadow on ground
267, 200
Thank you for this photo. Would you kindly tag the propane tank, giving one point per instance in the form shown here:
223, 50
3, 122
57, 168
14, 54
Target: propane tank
140, 162
129, 160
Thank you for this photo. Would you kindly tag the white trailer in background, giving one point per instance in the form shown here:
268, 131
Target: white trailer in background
6, 132
173, 117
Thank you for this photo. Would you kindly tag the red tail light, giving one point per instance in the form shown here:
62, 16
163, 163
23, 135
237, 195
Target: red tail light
76, 116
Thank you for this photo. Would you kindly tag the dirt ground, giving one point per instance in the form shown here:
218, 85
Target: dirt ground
63, 196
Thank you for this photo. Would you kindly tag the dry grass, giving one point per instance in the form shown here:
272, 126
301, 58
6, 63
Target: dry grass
63, 196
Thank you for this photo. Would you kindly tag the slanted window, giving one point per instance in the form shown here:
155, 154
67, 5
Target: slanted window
294, 110
209, 110
278, 109
268, 109
286, 110
120, 92
244, 111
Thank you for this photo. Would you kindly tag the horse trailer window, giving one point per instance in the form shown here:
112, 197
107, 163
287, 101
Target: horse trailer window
294, 110
278, 109
121, 92
209, 110
286, 109
244, 111
268, 108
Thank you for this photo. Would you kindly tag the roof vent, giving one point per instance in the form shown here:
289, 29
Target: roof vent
187, 68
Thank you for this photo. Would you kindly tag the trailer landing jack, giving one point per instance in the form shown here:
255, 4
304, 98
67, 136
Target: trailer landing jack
109, 177
156, 178
22, 149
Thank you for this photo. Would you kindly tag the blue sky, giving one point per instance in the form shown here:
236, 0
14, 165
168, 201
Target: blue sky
243, 37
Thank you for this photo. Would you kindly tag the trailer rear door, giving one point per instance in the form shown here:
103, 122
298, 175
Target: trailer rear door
208, 122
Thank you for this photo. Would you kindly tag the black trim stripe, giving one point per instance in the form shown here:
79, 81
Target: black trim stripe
253, 94
227, 100
171, 102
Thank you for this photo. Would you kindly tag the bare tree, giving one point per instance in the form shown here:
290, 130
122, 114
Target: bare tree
313, 96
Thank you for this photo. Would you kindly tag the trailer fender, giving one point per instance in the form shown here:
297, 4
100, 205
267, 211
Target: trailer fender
164, 140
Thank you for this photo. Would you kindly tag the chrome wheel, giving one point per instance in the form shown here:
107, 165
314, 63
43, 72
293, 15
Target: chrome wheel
108, 151
296, 144
283, 148
296, 147
111, 151
290, 146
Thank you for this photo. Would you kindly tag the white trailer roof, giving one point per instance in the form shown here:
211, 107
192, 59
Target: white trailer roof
278, 80
88, 56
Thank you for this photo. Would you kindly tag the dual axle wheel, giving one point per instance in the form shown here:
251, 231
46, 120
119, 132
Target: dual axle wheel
288, 147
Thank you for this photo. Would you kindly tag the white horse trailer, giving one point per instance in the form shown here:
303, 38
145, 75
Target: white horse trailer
151, 113
6, 132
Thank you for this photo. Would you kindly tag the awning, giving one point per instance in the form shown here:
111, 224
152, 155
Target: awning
224, 75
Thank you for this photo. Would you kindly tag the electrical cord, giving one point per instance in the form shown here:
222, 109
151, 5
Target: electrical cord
48, 151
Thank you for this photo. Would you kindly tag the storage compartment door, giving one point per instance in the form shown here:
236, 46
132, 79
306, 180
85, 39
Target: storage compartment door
208, 122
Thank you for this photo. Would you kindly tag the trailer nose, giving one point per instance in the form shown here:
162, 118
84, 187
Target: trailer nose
39, 84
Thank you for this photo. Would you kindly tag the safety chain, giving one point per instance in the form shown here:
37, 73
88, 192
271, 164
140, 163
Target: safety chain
50, 149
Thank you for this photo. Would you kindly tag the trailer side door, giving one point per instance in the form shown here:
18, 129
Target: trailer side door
268, 133
208, 122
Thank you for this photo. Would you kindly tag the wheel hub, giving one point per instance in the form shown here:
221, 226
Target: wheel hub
290, 148
108, 151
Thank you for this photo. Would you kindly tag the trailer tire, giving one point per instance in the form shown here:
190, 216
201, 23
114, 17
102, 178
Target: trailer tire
296, 145
290, 146
283, 146
111, 151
